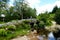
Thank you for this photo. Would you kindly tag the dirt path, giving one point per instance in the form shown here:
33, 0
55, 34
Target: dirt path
21, 38
30, 36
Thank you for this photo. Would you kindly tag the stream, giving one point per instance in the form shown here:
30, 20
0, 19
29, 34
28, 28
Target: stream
50, 37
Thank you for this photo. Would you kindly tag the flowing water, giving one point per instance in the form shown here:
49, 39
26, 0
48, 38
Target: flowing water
50, 36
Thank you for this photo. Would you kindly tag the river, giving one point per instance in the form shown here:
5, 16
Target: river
50, 37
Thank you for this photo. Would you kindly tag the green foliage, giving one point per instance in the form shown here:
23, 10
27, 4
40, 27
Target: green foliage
11, 27
43, 17
3, 32
1, 22
5, 0
18, 11
30, 13
3, 27
41, 24
8, 31
46, 18
55, 9
57, 16
48, 23
26, 21
25, 26
52, 16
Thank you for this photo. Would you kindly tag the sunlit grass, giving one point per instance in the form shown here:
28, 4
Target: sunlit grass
15, 34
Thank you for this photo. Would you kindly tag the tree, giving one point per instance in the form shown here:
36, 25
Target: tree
29, 12
45, 17
24, 10
57, 16
19, 5
3, 4
54, 9
5, 0
19, 11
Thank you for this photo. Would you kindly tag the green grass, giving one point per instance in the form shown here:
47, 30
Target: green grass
15, 34
18, 30
1, 22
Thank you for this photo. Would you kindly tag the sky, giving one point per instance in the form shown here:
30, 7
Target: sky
42, 5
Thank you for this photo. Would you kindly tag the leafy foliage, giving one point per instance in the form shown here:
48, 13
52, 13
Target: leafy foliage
45, 18
3, 32
11, 27
55, 9
8, 31
57, 16
18, 11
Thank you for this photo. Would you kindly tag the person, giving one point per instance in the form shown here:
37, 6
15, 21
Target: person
37, 22
32, 25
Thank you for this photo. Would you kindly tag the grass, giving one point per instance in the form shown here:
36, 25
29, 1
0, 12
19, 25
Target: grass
14, 30
15, 34
1, 22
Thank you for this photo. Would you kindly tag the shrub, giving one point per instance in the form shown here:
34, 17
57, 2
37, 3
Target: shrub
46, 18
48, 23
3, 32
41, 24
25, 26
2, 27
26, 21
11, 27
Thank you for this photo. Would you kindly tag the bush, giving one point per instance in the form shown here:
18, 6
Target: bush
48, 23
11, 27
26, 21
41, 24
22, 26
3, 32
25, 26
46, 18
2, 27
